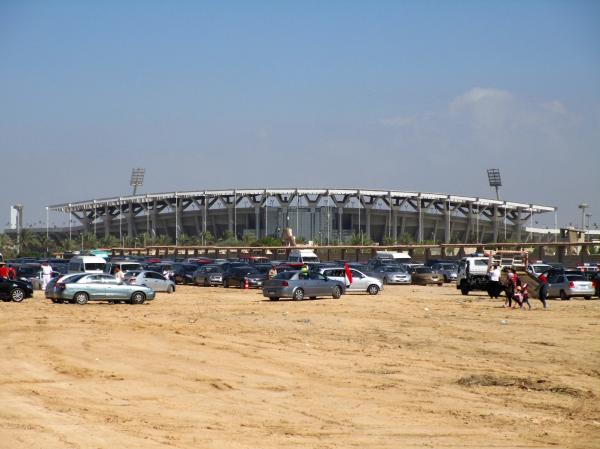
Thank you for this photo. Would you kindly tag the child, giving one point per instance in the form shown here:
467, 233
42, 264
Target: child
525, 295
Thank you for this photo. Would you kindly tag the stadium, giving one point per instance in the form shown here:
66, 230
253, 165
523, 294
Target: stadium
326, 216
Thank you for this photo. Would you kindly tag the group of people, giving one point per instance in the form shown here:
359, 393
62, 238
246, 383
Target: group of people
9, 272
516, 291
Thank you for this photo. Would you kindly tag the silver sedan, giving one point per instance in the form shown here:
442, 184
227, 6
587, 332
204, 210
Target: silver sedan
567, 286
392, 274
298, 285
151, 279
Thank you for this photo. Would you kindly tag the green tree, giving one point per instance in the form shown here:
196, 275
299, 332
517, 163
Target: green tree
30, 243
6, 246
109, 242
360, 239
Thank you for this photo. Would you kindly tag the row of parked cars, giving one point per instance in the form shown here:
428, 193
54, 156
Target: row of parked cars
93, 277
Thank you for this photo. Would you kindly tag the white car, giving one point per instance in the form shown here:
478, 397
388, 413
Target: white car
535, 269
360, 281
152, 279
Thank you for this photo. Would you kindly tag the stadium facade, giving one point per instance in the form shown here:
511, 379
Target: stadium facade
319, 215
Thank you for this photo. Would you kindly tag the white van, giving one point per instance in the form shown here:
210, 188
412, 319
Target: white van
393, 255
303, 256
86, 264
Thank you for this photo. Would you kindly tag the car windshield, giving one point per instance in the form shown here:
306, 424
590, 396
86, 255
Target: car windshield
422, 270
575, 277
389, 269
132, 273
448, 266
212, 269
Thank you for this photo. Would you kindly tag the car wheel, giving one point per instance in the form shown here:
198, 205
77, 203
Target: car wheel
17, 295
373, 289
336, 292
446, 279
563, 296
56, 301
464, 289
225, 284
274, 299
81, 298
587, 297
206, 284
299, 294
312, 297
139, 297
169, 289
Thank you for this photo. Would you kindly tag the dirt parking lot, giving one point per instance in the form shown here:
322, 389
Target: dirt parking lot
215, 368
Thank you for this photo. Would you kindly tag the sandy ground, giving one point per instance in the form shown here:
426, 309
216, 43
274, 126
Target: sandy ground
215, 368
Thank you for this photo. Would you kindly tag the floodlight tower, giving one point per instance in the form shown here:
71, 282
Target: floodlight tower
494, 179
137, 178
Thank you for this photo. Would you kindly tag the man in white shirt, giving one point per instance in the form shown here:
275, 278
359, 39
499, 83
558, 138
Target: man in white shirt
494, 288
119, 276
46, 274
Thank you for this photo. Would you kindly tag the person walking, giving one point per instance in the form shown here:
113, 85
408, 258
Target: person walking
46, 274
543, 291
119, 276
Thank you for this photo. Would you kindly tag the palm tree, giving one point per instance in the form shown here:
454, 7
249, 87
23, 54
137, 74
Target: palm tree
30, 242
109, 242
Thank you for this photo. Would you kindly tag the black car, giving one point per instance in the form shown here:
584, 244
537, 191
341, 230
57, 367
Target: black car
183, 273
15, 290
237, 277
208, 275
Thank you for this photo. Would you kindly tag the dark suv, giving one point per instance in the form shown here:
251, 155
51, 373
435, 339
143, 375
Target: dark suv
238, 275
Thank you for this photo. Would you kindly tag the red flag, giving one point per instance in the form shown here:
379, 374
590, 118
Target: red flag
348, 274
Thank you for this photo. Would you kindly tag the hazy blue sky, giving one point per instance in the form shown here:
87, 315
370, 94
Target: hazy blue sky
412, 95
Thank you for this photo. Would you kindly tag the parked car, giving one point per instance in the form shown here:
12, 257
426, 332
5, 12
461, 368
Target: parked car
151, 279
208, 275
536, 269
15, 290
237, 276
229, 265
448, 270
360, 281
183, 273
392, 274
567, 286
297, 285
98, 287
422, 275
123, 265
37, 281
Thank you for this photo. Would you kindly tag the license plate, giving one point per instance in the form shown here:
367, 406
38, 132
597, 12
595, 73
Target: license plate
271, 292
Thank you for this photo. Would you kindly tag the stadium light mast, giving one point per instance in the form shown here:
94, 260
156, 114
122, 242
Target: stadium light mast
583, 207
137, 178
495, 180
